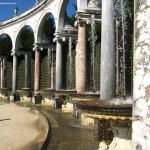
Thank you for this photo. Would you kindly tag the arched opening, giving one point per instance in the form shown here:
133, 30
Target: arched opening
47, 52
25, 60
5, 62
67, 34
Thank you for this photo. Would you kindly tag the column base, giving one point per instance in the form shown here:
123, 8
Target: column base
26, 88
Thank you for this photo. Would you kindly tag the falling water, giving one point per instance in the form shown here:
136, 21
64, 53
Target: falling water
49, 65
70, 58
93, 43
123, 47
120, 18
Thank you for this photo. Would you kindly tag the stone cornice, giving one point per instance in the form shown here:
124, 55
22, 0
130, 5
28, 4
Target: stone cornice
24, 15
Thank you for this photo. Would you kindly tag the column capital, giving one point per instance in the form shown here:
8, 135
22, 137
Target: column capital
58, 37
14, 52
41, 46
24, 52
51, 49
36, 47
3, 56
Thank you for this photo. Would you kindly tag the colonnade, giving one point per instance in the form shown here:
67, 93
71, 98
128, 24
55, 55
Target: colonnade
27, 69
107, 60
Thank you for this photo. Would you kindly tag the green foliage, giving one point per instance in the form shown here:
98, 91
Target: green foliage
72, 19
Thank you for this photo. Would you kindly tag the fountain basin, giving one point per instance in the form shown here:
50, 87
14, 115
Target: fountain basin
119, 115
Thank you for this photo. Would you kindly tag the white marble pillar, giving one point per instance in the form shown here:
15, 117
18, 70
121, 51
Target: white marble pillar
14, 78
59, 65
141, 77
107, 51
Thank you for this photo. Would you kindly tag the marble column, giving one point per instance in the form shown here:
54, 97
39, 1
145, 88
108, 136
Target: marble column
70, 63
27, 83
37, 70
59, 76
141, 76
3, 72
81, 67
107, 51
14, 78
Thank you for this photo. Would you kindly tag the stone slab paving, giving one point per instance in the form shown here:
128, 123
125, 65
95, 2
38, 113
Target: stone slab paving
21, 128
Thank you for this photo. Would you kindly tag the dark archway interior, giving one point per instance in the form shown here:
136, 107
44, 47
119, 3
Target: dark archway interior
5, 44
6, 47
25, 44
47, 30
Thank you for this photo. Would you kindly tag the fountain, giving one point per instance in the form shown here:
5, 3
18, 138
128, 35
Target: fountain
122, 13
93, 45
117, 113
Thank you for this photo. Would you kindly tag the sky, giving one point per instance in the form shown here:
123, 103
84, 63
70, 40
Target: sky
7, 11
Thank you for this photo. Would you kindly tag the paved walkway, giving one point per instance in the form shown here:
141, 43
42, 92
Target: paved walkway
21, 128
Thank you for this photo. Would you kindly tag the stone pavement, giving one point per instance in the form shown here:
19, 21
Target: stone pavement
21, 128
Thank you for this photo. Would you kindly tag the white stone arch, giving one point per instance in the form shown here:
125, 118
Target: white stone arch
18, 33
60, 15
39, 27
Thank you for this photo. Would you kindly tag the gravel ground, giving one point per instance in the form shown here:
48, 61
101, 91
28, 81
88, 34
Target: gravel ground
21, 128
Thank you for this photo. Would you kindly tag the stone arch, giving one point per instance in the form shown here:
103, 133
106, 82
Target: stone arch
18, 34
61, 12
46, 40
40, 25
26, 55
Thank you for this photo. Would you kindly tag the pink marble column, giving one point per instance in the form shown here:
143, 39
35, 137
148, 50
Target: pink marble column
37, 70
81, 59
